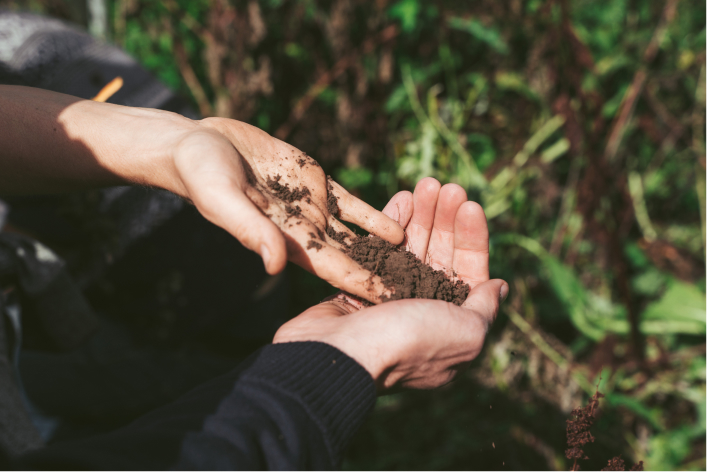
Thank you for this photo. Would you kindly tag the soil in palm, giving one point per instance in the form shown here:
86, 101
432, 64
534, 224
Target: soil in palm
403, 273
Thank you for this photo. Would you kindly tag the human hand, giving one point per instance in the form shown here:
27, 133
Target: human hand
274, 199
239, 177
417, 343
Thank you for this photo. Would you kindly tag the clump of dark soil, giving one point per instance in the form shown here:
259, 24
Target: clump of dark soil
312, 243
293, 211
339, 237
304, 159
332, 201
285, 193
405, 274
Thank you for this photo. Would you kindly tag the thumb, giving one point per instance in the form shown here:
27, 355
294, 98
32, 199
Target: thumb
486, 298
233, 211
214, 179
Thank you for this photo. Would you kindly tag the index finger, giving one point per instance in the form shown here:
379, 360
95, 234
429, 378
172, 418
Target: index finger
313, 252
355, 211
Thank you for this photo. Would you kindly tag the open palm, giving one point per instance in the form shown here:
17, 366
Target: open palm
417, 343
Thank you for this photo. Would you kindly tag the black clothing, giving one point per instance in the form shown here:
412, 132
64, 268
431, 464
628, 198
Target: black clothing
289, 406
34, 276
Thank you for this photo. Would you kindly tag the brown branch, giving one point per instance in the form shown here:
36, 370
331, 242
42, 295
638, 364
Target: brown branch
628, 104
329, 76
185, 18
192, 80
187, 71
618, 130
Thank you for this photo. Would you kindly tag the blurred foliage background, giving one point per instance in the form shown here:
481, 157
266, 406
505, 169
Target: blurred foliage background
580, 127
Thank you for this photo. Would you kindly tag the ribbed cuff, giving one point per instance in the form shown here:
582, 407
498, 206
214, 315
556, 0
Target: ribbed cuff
336, 390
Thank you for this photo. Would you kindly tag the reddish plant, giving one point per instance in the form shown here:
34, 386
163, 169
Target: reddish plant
578, 435
617, 463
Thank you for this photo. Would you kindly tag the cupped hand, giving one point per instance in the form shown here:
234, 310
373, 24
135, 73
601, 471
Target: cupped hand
444, 229
417, 343
275, 200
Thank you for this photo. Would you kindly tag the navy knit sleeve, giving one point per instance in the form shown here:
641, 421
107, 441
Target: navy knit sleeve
289, 406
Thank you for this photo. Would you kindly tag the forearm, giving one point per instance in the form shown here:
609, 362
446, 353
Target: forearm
50, 142
288, 407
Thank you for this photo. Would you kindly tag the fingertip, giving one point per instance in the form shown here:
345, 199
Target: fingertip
400, 208
360, 213
273, 250
471, 210
273, 261
503, 292
471, 226
453, 191
396, 234
428, 184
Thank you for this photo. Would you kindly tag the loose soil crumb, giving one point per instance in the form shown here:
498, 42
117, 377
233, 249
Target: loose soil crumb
284, 192
337, 236
332, 201
407, 275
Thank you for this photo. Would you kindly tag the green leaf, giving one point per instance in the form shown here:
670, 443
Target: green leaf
406, 11
481, 148
612, 105
354, 178
652, 415
514, 82
486, 34
649, 283
295, 51
398, 100
681, 302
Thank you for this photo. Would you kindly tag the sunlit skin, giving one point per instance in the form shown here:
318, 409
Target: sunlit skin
53, 142
417, 343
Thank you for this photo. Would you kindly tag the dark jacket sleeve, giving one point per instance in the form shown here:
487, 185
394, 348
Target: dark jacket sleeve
289, 406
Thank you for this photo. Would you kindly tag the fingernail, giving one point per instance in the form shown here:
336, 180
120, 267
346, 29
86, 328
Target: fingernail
265, 254
503, 293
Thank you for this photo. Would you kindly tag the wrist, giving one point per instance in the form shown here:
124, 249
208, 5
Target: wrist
339, 324
135, 145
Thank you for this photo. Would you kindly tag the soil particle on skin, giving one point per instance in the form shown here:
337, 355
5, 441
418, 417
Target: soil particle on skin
407, 275
332, 201
293, 211
301, 162
314, 244
284, 192
337, 236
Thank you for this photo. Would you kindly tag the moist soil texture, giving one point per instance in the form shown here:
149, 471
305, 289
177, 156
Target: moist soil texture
332, 201
404, 273
337, 236
284, 192
293, 211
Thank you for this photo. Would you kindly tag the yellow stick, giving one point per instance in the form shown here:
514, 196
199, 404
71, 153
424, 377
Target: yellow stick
109, 90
